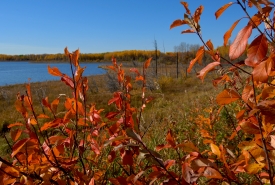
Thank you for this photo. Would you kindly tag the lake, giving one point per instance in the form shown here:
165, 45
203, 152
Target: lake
19, 72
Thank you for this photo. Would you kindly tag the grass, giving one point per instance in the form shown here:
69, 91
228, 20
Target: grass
176, 103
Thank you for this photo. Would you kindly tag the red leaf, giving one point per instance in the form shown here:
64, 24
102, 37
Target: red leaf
111, 156
54, 71
68, 81
208, 68
239, 44
138, 176
187, 172
257, 51
227, 96
222, 9
118, 181
135, 70
111, 115
127, 158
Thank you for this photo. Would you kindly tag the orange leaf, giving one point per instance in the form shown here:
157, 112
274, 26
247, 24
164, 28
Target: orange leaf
67, 53
260, 72
239, 44
78, 73
198, 58
185, 4
211, 173
227, 35
178, 22
222, 9
257, 51
188, 31
254, 168
75, 57
19, 107
267, 107
135, 70
248, 93
208, 68
54, 71
170, 139
169, 163
268, 92
198, 13
272, 141
18, 145
249, 127
187, 147
15, 124
215, 149
139, 78
147, 63
15, 134
210, 45
162, 146
54, 105
111, 67
221, 79
227, 96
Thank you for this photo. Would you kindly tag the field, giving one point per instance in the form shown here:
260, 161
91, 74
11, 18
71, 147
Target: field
173, 104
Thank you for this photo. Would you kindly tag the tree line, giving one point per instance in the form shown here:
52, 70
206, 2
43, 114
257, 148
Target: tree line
183, 52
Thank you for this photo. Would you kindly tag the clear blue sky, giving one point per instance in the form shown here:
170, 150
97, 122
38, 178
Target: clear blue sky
48, 26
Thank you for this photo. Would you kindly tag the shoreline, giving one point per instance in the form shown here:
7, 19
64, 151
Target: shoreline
45, 82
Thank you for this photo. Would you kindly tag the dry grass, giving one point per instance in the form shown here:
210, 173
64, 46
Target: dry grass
176, 102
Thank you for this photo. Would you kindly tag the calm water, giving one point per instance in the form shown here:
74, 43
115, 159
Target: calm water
20, 72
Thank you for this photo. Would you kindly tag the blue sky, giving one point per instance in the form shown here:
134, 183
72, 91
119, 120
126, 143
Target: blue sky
94, 26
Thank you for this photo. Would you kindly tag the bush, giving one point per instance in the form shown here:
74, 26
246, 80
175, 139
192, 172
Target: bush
230, 142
